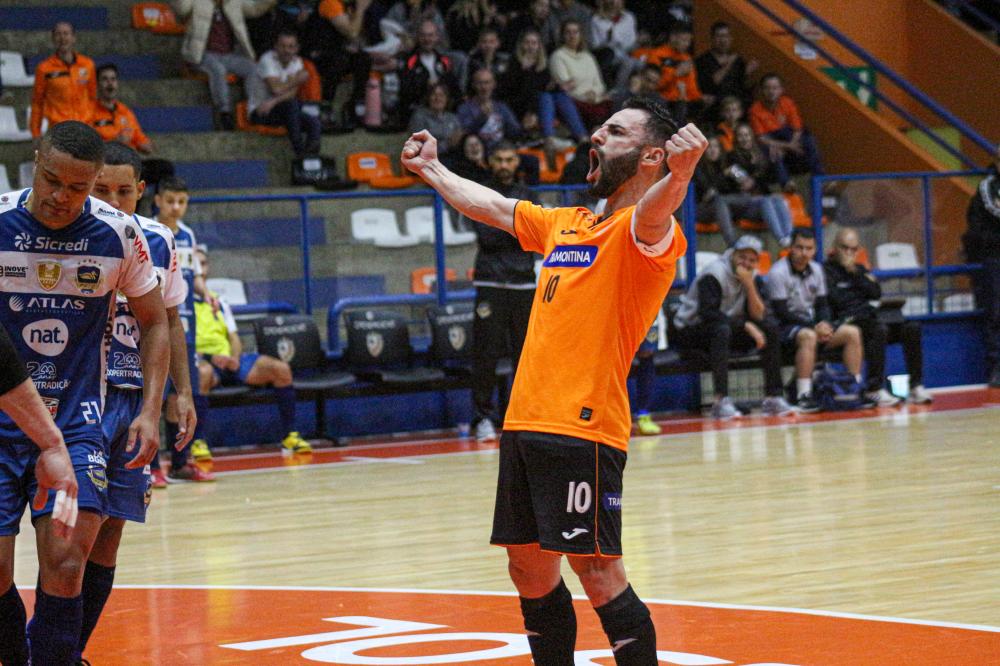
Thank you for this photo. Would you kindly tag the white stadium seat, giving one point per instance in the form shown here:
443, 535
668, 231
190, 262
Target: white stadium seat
4, 180
895, 256
26, 173
419, 222
9, 130
379, 226
12, 70
231, 289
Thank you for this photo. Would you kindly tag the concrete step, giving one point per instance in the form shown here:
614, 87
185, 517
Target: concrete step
155, 92
97, 43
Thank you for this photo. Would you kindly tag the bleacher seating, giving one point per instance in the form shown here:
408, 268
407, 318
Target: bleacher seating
379, 226
423, 279
12, 70
25, 173
376, 169
419, 223
231, 289
4, 180
379, 350
244, 125
156, 17
43, 18
9, 130
174, 118
233, 173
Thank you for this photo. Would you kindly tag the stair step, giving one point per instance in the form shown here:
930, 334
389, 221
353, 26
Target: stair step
224, 174
129, 66
174, 118
43, 18
157, 92
125, 41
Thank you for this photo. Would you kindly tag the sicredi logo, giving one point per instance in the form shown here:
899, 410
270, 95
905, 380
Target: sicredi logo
47, 337
571, 256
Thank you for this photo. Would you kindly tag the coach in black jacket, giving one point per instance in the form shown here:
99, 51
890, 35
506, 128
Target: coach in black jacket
982, 245
851, 291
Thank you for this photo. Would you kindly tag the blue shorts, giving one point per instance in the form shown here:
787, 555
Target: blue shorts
129, 490
18, 484
237, 377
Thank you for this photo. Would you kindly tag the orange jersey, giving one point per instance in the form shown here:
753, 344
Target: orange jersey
726, 135
598, 294
785, 113
331, 9
672, 86
118, 124
62, 92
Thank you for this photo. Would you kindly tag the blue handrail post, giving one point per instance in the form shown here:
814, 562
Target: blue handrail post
690, 232
306, 268
817, 212
928, 244
439, 258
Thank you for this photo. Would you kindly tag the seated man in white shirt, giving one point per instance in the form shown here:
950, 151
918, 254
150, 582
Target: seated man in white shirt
276, 102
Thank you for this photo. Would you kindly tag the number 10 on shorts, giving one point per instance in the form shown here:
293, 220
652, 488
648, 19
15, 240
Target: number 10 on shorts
579, 497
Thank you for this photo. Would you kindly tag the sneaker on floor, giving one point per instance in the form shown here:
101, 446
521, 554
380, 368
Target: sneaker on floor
724, 408
485, 432
647, 426
919, 396
882, 398
191, 473
200, 451
806, 404
159, 478
294, 443
775, 405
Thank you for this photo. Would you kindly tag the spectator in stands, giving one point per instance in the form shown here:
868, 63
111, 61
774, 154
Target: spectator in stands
65, 83
710, 183
723, 313
533, 95
852, 289
412, 13
652, 19
565, 11
731, 111
487, 55
722, 72
982, 245
435, 117
505, 288
796, 288
424, 66
487, 116
776, 122
678, 79
283, 74
751, 176
538, 17
331, 39
111, 118
468, 159
612, 37
467, 19
575, 70
223, 362
217, 43
633, 88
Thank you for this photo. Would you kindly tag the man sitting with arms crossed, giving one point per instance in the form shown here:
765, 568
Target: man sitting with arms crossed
567, 427
223, 362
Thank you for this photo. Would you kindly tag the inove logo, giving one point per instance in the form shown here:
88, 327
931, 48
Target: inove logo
47, 337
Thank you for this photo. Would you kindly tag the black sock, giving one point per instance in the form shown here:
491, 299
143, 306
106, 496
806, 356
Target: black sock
97, 583
14, 644
551, 625
630, 630
55, 628
177, 458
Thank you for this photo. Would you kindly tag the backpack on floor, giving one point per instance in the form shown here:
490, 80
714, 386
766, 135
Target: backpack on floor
835, 389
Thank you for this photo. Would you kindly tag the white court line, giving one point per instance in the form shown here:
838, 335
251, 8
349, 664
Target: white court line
360, 460
662, 602
398, 461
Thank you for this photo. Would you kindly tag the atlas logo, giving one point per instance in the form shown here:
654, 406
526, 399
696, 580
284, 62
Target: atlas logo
571, 256
45, 303
47, 337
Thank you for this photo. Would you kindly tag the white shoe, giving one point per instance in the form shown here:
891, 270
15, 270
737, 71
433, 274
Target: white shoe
919, 396
485, 432
725, 409
776, 405
883, 398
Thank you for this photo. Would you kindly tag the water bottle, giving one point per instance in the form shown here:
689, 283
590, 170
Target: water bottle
373, 102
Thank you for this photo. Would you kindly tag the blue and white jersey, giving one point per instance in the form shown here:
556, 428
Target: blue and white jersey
124, 369
57, 294
187, 260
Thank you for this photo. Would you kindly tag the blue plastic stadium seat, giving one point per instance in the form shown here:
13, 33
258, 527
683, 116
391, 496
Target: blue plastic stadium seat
43, 18
259, 232
174, 118
224, 174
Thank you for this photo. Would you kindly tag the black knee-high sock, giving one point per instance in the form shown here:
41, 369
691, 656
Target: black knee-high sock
55, 628
177, 458
97, 583
630, 630
13, 639
201, 408
551, 625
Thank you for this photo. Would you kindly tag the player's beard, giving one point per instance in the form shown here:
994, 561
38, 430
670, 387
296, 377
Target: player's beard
614, 172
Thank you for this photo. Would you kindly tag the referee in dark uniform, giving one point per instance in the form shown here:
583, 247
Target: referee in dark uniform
505, 287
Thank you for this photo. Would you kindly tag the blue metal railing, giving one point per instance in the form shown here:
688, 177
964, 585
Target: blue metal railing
978, 14
907, 87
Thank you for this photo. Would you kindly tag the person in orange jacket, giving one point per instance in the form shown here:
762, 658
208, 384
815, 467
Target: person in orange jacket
65, 83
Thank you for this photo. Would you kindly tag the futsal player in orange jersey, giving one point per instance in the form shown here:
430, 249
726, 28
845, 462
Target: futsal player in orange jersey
565, 437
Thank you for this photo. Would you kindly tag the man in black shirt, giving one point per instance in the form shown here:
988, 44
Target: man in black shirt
851, 292
722, 72
505, 287
982, 245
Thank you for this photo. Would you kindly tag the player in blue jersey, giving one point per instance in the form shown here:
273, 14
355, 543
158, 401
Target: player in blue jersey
64, 257
119, 185
172, 199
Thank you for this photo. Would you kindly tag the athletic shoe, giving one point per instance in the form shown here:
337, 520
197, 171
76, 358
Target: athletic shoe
775, 405
191, 473
647, 426
725, 409
485, 432
882, 398
159, 478
294, 443
200, 451
919, 396
806, 404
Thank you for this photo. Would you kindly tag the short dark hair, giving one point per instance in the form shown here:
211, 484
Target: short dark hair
116, 154
771, 75
660, 125
717, 26
286, 33
171, 184
804, 233
503, 145
106, 66
76, 139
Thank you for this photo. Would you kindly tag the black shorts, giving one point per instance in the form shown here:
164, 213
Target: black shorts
563, 493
